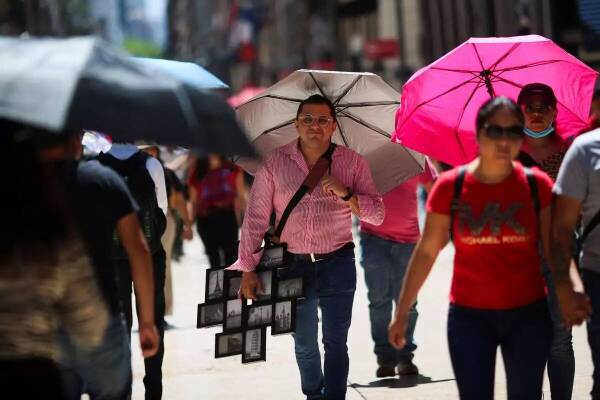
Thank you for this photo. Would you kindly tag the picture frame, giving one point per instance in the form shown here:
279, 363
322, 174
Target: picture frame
210, 314
233, 315
273, 256
233, 281
229, 344
214, 287
254, 345
266, 277
291, 287
284, 317
258, 316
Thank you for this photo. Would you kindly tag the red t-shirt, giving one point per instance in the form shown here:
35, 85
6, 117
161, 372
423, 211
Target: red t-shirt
496, 265
216, 190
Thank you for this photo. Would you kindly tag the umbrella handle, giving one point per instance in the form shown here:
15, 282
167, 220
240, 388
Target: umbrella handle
486, 75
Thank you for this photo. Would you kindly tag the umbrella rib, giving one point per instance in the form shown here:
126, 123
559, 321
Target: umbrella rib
317, 84
283, 124
347, 90
368, 104
342, 135
366, 124
272, 96
466, 71
478, 56
462, 113
535, 64
513, 48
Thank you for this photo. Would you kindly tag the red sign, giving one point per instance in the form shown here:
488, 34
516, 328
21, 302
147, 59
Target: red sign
377, 49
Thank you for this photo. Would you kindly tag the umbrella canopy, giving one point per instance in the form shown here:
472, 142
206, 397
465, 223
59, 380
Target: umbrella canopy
244, 95
84, 84
440, 101
365, 106
190, 73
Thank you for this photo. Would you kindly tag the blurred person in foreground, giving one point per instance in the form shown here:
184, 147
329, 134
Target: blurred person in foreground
217, 193
577, 190
319, 238
496, 214
102, 205
386, 250
46, 280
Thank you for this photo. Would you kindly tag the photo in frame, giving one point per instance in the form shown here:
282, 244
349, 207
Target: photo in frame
288, 287
228, 344
233, 281
254, 345
258, 316
209, 314
273, 256
284, 317
266, 279
233, 315
215, 284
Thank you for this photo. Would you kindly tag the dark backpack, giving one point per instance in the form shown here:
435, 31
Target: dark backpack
460, 179
140, 183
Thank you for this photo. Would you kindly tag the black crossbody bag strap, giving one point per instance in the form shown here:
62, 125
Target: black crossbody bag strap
311, 180
458, 184
534, 190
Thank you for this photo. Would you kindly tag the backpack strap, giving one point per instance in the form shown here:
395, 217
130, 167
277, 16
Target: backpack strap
590, 226
458, 184
533, 187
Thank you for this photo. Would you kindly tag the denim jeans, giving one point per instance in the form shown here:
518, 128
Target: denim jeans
561, 360
329, 284
524, 335
385, 263
103, 372
591, 281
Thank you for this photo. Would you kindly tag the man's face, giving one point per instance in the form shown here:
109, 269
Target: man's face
315, 125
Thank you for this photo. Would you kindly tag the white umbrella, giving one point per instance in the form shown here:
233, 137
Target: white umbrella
365, 110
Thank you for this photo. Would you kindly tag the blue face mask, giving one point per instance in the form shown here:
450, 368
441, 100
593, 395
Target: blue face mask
541, 134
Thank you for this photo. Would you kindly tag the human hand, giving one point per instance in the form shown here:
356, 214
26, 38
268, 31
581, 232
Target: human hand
188, 233
397, 330
575, 307
149, 339
333, 186
249, 286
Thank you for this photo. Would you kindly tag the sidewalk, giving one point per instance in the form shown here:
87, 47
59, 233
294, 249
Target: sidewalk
191, 372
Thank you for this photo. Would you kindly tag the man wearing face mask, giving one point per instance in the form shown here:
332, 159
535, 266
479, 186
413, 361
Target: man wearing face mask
545, 149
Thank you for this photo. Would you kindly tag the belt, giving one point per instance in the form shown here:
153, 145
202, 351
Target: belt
314, 257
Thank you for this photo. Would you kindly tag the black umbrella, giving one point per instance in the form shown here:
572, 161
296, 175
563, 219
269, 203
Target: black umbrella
83, 83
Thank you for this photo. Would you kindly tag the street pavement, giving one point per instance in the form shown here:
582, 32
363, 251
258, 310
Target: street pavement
191, 371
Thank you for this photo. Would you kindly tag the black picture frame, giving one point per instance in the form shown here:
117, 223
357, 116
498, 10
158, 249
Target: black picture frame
233, 322
208, 314
284, 310
273, 256
250, 342
282, 289
232, 341
267, 279
233, 280
214, 286
258, 316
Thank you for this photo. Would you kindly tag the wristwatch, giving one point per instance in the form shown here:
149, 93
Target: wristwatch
348, 196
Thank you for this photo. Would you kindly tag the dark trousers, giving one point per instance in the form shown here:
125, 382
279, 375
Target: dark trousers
35, 378
219, 233
153, 365
591, 281
524, 335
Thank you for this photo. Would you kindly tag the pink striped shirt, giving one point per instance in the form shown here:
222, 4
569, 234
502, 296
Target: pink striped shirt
321, 222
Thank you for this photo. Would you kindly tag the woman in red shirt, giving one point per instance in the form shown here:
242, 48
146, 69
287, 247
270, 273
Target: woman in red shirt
497, 295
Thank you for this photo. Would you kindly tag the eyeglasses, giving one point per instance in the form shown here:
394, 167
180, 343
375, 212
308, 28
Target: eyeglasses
537, 108
496, 132
308, 120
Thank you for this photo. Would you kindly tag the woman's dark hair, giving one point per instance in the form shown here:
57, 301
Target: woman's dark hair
317, 99
33, 199
490, 107
202, 166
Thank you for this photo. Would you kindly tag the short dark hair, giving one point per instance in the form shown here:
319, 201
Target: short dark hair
493, 105
317, 99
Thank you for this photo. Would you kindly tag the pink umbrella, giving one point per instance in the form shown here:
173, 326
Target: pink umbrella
244, 95
440, 101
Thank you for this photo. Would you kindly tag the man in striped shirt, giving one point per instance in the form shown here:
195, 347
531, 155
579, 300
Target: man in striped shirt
318, 236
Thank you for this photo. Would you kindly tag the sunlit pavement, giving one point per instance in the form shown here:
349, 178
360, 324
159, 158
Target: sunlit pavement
191, 372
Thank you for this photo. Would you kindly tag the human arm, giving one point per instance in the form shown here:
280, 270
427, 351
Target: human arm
240, 198
140, 261
157, 174
435, 237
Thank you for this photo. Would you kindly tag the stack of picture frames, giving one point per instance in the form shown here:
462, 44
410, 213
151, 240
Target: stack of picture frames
244, 325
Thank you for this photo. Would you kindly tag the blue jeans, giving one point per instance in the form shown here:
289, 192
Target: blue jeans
591, 281
103, 372
385, 263
329, 284
524, 335
561, 360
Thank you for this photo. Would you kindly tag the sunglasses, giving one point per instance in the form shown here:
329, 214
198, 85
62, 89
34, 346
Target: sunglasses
308, 120
537, 108
496, 132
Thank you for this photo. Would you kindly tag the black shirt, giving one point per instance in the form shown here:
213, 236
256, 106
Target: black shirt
100, 199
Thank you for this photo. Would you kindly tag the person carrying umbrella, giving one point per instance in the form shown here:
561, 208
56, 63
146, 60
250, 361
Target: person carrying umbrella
497, 212
318, 236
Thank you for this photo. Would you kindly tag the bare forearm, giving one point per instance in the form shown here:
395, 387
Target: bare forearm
143, 284
560, 254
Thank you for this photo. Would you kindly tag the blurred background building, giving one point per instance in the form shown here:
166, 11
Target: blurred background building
256, 42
